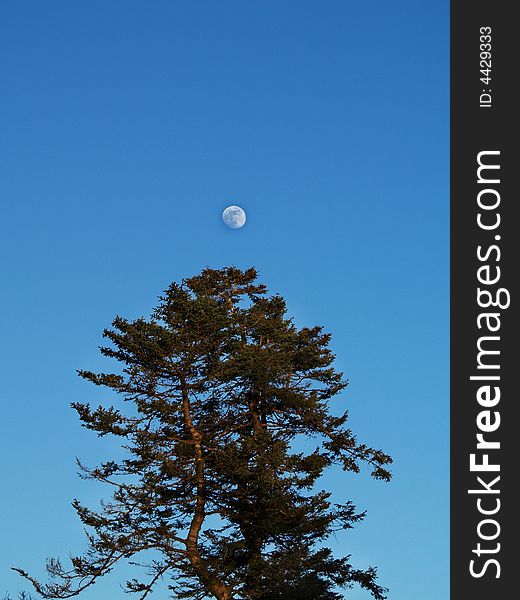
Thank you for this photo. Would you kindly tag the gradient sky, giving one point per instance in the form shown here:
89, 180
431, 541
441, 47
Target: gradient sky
126, 128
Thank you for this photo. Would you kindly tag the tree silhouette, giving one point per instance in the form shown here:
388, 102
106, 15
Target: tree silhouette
215, 389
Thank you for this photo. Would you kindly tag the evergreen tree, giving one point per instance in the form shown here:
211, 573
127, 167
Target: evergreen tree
215, 389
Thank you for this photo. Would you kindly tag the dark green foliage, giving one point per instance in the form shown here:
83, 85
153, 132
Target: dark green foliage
220, 383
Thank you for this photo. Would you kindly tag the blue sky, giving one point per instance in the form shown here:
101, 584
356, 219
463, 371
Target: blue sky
126, 128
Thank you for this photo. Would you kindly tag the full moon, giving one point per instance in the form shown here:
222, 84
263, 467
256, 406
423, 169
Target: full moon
234, 217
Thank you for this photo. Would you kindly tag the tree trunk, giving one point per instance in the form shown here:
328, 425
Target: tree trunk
218, 589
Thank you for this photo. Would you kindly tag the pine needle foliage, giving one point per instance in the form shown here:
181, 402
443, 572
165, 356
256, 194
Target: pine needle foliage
214, 392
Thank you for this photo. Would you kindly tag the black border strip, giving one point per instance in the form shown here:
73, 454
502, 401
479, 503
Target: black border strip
484, 123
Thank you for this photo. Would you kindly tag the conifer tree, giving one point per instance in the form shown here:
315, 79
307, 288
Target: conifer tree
213, 393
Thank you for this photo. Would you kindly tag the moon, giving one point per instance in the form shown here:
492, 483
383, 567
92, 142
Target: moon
234, 217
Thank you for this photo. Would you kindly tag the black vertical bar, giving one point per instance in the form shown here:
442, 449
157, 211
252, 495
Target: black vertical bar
484, 126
